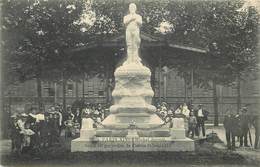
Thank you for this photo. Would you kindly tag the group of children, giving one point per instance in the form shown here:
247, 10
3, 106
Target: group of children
34, 131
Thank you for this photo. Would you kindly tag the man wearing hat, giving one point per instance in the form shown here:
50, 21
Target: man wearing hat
68, 114
256, 124
55, 131
77, 116
201, 115
58, 114
230, 126
45, 131
244, 122
15, 133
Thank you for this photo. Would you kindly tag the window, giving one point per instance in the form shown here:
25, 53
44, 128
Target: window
70, 87
49, 91
90, 93
85, 95
101, 93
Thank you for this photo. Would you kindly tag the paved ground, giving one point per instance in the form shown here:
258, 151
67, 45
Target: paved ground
249, 152
221, 134
152, 160
5, 147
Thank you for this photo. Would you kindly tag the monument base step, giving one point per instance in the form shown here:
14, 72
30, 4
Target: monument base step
162, 132
118, 121
141, 144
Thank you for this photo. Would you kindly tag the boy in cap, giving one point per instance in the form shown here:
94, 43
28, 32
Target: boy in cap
192, 123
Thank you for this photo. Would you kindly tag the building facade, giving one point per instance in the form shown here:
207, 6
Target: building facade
167, 87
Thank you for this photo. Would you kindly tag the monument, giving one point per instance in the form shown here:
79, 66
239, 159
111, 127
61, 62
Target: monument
132, 124
133, 93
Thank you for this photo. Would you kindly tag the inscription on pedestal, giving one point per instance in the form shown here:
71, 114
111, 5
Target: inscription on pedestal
128, 144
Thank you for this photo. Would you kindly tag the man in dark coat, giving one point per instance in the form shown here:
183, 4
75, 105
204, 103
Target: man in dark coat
54, 123
230, 125
15, 134
77, 116
45, 131
201, 115
68, 114
244, 123
256, 124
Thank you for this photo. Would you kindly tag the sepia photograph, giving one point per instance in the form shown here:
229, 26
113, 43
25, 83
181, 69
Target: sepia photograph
129, 83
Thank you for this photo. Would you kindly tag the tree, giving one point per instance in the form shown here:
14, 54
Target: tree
43, 31
229, 36
234, 47
47, 30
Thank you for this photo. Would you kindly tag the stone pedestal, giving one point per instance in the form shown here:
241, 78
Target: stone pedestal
132, 133
177, 133
178, 123
87, 134
87, 131
132, 98
141, 144
178, 129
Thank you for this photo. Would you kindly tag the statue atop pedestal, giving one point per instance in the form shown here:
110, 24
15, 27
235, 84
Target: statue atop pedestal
133, 93
132, 124
133, 22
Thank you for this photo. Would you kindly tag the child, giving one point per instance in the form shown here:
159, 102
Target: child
45, 131
68, 127
192, 123
76, 128
27, 133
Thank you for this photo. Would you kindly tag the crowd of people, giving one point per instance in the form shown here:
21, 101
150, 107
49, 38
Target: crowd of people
35, 130
194, 118
238, 125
